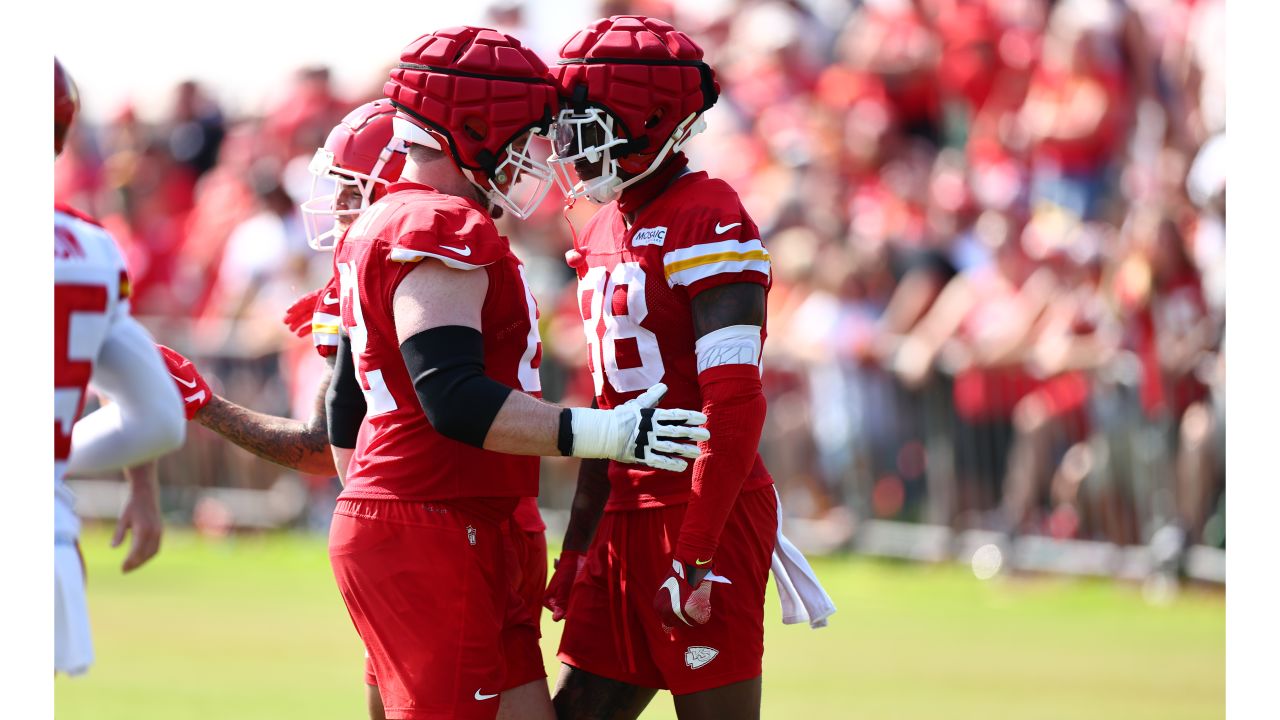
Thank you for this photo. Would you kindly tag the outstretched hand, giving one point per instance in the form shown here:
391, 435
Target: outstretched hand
299, 315
192, 387
639, 432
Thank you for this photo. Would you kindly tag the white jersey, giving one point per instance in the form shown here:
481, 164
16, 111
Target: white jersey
90, 295
95, 339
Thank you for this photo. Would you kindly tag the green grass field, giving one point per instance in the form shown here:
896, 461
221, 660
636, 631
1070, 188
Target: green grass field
253, 628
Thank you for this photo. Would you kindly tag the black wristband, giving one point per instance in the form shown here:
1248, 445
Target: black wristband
446, 365
565, 440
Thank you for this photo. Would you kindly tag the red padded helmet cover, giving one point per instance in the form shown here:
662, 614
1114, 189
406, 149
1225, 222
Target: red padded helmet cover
478, 87
660, 78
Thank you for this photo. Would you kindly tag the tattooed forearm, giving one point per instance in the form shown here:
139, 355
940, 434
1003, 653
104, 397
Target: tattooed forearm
734, 304
303, 446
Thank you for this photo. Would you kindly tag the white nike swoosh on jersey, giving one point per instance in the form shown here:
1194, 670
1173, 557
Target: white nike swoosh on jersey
673, 590
180, 381
464, 251
720, 230
480, 696
327, 301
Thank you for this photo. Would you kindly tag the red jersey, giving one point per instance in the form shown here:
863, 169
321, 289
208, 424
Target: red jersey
634, 291
404, 457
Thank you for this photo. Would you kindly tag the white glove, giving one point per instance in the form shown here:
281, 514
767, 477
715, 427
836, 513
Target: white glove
636, 432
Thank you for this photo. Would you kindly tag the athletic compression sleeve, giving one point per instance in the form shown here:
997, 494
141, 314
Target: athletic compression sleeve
344, 402
144, 419
446, 365
732, 400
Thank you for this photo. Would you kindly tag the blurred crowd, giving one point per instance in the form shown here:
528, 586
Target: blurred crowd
998, 241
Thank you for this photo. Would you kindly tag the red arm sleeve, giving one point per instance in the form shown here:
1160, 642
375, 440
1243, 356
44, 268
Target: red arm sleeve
734, 405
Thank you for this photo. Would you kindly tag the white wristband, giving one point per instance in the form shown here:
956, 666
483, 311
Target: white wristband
591, 433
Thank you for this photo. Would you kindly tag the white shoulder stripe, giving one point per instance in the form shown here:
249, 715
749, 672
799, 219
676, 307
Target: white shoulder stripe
692, 275
714, 248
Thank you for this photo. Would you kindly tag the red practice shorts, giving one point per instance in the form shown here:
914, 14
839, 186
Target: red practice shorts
527, 570
612, 630
430, 589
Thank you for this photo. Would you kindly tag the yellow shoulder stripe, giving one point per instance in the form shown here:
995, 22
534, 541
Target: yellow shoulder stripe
675, 267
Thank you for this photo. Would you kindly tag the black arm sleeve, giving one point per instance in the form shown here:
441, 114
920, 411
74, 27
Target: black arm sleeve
344, 402
446, 365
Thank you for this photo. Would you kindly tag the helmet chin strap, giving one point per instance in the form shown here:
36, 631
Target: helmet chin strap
611, 189
607, 191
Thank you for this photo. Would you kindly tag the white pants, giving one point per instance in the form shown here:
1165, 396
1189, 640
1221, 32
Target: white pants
72, 645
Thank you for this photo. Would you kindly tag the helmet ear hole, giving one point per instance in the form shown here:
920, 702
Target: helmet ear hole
654, 119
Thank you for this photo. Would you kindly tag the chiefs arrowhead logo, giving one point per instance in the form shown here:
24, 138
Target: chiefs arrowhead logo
698, 655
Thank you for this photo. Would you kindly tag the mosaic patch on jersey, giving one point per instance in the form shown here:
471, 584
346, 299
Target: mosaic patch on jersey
649, 236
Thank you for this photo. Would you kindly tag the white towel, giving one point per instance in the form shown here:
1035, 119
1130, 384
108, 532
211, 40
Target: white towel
802, 596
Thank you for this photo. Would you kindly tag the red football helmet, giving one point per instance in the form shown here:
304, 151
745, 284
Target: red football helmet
66, 101
483, 96
361, 155
634, 90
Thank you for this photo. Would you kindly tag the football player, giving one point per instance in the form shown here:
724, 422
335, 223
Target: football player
438, 354
359, 160
95, 340
668, 590
362, 158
